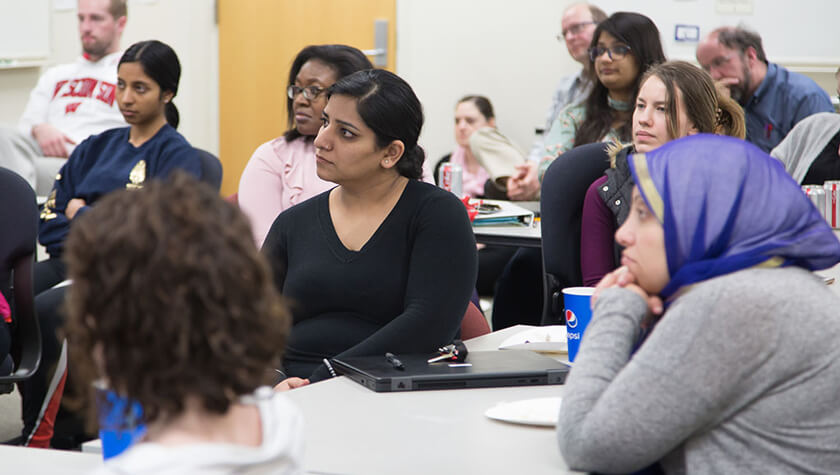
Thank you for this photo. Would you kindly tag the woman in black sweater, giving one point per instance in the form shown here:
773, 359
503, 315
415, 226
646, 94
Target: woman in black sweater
383, 262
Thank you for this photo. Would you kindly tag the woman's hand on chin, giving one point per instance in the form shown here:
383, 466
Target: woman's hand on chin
623, 277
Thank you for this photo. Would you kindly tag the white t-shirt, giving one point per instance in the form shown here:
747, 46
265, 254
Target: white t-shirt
281, 451
78, 99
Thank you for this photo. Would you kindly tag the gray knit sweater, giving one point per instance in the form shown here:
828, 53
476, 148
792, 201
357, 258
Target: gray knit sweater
741, 375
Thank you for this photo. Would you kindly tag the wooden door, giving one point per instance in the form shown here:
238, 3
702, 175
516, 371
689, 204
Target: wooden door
258, 40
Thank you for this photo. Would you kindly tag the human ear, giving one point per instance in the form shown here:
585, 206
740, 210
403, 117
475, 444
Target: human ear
166, 96
751, 54
392, 153
692, 129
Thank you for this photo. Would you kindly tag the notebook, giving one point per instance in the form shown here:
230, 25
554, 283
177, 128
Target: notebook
507, 213
482, 369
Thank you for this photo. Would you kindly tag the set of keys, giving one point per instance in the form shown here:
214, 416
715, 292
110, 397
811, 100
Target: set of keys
456, 351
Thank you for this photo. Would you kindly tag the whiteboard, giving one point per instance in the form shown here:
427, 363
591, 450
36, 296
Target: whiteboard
801, 31
24, 29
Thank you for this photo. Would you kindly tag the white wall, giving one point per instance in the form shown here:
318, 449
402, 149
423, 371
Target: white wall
502, 49
186, 25
507, 51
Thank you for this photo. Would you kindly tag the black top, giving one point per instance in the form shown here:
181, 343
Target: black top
405, 291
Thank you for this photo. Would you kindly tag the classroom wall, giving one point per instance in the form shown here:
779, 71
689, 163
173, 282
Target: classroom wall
504, 50
446, 49
186, 25
507, 50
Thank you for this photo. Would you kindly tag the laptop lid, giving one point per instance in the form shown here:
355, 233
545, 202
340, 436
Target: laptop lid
482, 369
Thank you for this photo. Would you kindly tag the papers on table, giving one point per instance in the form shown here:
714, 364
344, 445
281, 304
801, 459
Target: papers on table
535, 412
508, 214
548, 339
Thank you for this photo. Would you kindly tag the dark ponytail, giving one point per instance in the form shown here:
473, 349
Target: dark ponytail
411, 163
160, 63
172, 116
388, 105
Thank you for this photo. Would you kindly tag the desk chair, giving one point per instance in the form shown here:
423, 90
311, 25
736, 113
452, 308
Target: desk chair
19, 221
561, 208
474, 324
211, 169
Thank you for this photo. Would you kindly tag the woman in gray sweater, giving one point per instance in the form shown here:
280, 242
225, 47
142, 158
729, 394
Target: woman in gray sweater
741, 372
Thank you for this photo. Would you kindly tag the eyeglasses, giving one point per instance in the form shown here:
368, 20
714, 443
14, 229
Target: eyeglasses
614, 52
309, 93
574, 30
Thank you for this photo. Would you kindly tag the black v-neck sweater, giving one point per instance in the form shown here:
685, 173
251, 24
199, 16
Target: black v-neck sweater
405, 291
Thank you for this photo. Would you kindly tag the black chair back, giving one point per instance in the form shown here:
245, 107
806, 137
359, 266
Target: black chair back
561, 207
211, 169
19, 224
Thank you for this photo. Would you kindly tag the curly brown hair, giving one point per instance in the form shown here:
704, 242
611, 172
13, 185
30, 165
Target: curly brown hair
174, 298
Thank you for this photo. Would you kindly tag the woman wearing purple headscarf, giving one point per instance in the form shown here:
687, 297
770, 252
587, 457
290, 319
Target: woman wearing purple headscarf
741, 372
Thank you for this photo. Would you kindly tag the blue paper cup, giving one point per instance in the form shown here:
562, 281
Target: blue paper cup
120, 422
577, 313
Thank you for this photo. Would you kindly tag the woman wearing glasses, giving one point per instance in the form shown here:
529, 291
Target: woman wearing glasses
623, 47
282, 173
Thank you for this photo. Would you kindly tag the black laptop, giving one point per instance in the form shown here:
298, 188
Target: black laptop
482, 369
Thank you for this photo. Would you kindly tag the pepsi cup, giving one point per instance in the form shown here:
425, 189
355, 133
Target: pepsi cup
577, 313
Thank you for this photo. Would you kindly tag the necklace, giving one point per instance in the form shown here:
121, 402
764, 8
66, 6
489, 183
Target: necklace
621, 106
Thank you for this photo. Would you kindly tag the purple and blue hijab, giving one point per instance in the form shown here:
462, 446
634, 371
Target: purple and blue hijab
725, 205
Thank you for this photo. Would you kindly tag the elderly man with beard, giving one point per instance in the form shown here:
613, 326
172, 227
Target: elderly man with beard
774, 99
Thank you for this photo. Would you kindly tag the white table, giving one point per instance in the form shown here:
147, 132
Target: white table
26, 460
350, 429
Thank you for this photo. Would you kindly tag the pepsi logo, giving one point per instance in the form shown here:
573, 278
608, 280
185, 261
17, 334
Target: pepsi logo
571, 319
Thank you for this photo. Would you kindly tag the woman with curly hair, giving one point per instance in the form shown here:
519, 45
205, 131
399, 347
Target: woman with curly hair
148, 75
174, 308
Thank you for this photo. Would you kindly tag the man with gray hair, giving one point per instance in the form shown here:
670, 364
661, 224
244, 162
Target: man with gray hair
774, 99
71, 101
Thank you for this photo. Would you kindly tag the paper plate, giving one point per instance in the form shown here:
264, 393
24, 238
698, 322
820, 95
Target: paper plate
533, 412
550, 339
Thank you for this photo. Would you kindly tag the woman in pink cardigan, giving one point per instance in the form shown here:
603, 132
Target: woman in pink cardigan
281, 173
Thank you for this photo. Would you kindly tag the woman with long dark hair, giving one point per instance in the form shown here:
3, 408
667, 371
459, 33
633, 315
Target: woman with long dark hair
623, 47
281, 173
383, 262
